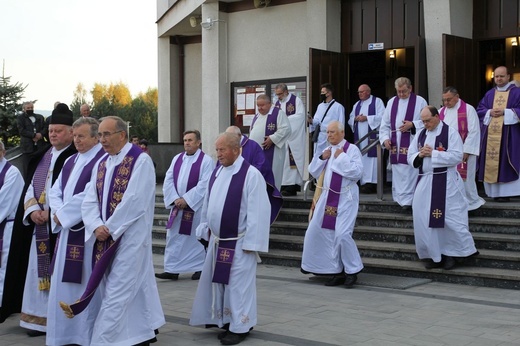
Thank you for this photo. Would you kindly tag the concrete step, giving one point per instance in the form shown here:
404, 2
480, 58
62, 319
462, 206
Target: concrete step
405, 221
468, 275
483, 240
384, 235
403, 251
158, 246
369, 203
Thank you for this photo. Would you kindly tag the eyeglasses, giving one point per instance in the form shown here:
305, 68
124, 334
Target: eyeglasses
447, 100
361, 91
108, 134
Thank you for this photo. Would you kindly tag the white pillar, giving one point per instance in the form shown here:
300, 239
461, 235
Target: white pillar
452, 17
215, 117
166, 86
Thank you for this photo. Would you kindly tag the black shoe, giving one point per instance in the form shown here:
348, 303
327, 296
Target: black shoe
287, 193
33, 333
406, 207
195, 276
233, 338
350, 280
304, 271
167, 276
222, 335
449, 262
336, 280
502, 199
430, 264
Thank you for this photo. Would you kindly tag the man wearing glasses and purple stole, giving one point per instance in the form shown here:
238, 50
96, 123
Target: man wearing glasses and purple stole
118, 211
440, 207
185, 185
398, 126
72, 263
235, 219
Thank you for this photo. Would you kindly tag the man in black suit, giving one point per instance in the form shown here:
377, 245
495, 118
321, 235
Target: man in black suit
31, 127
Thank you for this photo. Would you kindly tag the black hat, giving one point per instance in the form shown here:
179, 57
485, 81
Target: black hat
62, 115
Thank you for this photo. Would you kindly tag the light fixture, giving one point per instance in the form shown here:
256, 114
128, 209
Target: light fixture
208, 23
514, 42
392, 54
193, 21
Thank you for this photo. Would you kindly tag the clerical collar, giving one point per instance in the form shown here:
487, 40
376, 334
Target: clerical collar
504, 88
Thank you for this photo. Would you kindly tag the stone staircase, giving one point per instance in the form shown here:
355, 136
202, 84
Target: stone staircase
384, 236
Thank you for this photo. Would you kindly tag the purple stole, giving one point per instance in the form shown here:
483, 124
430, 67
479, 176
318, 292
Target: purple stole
270, 128
104, 251
193, 179
3, 222
74, 255
371, 111
462, 121
331, 206
272, 192
405, 136
228, 224
41, 232
290, 106
290, 109
438, 195
509, 152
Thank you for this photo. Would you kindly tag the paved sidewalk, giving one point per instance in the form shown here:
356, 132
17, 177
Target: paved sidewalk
296, 310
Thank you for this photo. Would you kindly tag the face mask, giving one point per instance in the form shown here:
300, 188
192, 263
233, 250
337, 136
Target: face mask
323, 97
29, 112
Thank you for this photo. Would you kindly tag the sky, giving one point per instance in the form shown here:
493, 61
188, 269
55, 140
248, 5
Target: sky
53, 45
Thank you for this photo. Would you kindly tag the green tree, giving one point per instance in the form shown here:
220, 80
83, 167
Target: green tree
143, 116
10, 96
115, 99
80, 98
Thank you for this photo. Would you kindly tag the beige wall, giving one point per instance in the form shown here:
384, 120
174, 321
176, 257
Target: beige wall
257, 44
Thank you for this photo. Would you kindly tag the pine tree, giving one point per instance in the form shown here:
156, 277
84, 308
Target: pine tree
10, 96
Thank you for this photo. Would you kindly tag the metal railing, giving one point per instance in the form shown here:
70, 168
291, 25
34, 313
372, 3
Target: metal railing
380, 166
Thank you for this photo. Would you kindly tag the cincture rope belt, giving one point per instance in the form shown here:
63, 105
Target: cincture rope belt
214, 286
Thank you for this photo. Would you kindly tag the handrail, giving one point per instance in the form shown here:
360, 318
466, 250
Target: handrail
364, 151
380, 168
14, 157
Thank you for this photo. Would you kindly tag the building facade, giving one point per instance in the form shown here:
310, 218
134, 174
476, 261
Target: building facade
215, 56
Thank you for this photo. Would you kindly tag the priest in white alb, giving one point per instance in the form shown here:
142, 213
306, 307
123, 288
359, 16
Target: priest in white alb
399, 124
293, 167
118, 210
11, 186
235, 220
440, 208
365, 117
184, 188
328, 247
72, 264
462, 117
271, 129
